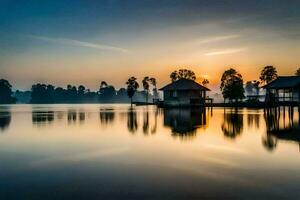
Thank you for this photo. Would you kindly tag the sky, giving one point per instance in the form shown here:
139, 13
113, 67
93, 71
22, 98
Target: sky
76, 42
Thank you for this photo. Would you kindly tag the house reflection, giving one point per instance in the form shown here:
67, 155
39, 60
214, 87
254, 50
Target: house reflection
5, 118
42, 117
232, 125
184, 121
282, 125
106, 116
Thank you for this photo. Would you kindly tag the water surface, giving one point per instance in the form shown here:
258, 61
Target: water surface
114, 152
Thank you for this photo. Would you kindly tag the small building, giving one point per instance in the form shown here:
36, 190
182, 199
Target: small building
184, 92
283, 89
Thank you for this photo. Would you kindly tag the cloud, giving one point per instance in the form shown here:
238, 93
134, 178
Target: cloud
219, 38
67, 41
225, 51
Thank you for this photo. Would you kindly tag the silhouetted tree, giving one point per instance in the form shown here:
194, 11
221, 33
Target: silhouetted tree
42, 93
205, 82
107, 92
268, 74
103, 84
6, 92
182, 73
146, 86
298, 72
232, 85
81, 90
132, 86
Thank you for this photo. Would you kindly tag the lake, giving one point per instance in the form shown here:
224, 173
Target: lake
117, 152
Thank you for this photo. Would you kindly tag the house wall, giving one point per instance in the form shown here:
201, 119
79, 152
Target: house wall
183, 97
287, 95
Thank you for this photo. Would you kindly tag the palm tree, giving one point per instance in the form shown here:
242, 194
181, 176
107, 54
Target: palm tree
146, 86
132, 86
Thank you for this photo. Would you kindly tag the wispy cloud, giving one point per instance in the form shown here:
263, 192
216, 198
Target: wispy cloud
225, 51
67, 41
219, 38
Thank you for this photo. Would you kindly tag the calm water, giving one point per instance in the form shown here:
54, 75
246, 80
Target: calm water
114, 152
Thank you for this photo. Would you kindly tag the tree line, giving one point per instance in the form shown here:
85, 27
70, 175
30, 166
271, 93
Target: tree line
41, 93
232, 88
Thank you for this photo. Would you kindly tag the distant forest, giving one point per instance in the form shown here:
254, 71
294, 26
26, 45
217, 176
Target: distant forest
47, 93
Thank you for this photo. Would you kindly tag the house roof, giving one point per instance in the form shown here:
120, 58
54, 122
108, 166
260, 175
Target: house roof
284, 82
184, 84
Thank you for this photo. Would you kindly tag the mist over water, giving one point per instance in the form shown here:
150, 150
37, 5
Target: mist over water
115, 151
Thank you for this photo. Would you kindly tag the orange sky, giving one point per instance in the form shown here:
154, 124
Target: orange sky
70, 46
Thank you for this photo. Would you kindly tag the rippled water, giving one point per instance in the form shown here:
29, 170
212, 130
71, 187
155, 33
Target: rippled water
115, 152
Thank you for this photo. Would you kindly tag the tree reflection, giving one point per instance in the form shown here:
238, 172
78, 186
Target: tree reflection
72, 116
132, 123
232, 125
184, 121
269, 142
42, 117
253, 120
154, 127
146, 122
5, 118
107, 116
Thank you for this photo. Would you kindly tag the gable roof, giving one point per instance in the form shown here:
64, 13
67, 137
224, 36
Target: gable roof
283, 82
184, 84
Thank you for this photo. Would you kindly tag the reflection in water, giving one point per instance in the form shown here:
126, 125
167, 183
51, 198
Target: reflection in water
185, 121
42, 117
5, 118
253, 120
72, 116
132, 123
154, 125
146, 122
79, 154
281, 124
107, 116
232, 125
81, 116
